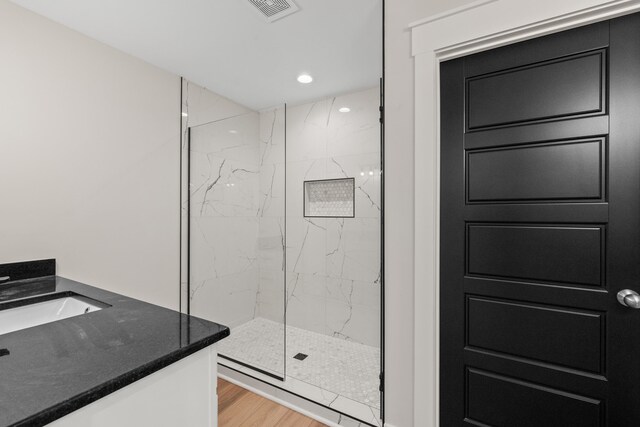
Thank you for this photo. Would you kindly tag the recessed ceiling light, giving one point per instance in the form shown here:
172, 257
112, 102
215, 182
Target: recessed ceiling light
233, 131
305, 78
185, 114
344, 109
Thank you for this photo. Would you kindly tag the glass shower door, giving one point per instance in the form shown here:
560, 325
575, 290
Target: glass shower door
237, 235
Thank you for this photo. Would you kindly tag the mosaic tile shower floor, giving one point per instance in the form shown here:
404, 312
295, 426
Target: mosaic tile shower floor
338, 367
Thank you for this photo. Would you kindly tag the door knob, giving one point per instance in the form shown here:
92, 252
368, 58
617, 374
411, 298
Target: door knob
629, 298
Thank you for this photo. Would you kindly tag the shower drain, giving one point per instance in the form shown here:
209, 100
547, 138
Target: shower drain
300, 356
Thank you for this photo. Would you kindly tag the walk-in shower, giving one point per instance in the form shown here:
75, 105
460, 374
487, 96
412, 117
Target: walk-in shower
284, 244
282, 219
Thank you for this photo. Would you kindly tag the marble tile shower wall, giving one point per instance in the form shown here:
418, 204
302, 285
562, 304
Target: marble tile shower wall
225, 206
332, 264
199, 107
271, 242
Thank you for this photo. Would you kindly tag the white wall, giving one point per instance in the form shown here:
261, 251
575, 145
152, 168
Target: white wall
399, 188
89, 159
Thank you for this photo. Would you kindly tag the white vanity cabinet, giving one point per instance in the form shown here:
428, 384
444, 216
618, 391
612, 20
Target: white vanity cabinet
182, 394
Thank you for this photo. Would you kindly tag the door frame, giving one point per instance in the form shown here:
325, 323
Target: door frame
459, 32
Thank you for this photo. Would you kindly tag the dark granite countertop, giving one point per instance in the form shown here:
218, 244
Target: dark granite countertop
54, 369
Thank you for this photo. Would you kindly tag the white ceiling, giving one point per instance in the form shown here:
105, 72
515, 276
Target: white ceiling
228, 47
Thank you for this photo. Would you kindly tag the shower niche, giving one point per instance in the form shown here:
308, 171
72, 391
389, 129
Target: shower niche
330, 198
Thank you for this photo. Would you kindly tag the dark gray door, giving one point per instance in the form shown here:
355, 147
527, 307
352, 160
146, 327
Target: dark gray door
540, 229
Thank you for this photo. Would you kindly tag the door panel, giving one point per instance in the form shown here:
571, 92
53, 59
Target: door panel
572, 338
557, 254
535, 173
540, 228
563, 87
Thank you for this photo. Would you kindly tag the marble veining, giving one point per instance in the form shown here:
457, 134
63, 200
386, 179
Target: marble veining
226, 205
333, 264
200, 107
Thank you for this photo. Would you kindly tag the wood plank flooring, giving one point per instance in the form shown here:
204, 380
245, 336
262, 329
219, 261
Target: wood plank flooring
238, 407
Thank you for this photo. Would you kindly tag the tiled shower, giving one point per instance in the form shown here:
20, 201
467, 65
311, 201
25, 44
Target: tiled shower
284, 210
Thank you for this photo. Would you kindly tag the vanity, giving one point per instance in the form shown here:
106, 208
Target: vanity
74, 355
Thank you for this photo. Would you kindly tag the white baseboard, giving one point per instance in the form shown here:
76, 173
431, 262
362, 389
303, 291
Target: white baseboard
279, 401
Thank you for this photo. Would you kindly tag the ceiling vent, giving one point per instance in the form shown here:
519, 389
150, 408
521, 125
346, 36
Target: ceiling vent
272, 10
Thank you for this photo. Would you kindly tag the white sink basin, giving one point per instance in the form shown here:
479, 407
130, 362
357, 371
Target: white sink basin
27, 316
